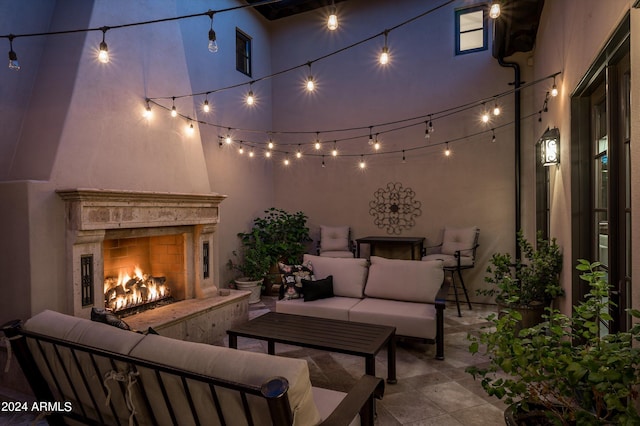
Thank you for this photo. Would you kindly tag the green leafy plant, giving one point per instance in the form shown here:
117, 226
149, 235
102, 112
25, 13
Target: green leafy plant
277, 236
283, 234
254, 261
534, 280
567, 365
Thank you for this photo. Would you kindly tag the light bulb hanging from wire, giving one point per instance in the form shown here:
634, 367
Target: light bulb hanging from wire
241, 148
485, 115
323, 165
554, 88
270, 145
334, 152
228, 139
494, 9
298, 152
190, 129
384, 55
213, 44
496, 109
318, 145
250, 97
205, 105
447, 151
310, 84
362, 164
174, 112
493, 135
103, 53
147, 110
376, 143
13, 58
332, 21
370, 135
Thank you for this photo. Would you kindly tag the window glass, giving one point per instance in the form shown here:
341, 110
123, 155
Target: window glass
243, 52
471, 29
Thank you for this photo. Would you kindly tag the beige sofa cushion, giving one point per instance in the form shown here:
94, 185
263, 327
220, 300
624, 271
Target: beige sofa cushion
349, 275
409, 319
406, 280
331, 308
229, 364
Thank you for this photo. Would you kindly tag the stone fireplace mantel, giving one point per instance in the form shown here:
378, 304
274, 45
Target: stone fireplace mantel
93, 215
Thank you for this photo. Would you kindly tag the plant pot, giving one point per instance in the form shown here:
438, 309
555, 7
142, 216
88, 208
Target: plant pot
255, 287
531, 314
536, 416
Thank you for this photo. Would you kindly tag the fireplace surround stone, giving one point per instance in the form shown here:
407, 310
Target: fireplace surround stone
93, 215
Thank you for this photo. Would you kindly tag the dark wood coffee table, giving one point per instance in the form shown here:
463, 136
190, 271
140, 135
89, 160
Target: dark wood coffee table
353, 338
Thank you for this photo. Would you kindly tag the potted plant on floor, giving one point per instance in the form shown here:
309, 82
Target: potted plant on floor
527, 285
253, 263
284, 236
565, 370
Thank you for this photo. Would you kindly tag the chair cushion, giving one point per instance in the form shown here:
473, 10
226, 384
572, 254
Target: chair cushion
449, 261
228, 364
455, 239
407, 280
349, 275
334, 238
409, 319
327, 400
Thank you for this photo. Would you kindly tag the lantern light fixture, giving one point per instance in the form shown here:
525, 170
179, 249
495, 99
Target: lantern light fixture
550, 147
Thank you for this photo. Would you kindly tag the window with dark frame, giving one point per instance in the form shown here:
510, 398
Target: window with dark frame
243, 52
471, 29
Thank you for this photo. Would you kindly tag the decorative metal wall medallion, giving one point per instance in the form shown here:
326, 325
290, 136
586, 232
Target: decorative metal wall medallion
394, 208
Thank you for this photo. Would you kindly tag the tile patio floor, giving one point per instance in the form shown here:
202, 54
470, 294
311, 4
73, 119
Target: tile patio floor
428, 392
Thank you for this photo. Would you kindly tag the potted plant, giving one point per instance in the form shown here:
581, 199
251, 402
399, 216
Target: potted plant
565, 368
253, 264
528, 285
284, 236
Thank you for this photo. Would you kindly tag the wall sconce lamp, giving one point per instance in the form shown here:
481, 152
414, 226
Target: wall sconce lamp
550, 147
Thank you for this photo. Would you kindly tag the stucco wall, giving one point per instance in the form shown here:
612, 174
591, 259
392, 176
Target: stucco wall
474, 186
571, 35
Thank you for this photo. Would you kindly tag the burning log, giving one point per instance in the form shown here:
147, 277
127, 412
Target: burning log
127, 292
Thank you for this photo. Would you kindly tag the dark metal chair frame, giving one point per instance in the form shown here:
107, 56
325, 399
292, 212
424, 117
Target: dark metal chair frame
359, 400
458, 269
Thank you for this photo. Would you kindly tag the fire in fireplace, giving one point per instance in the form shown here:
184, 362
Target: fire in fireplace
130, 291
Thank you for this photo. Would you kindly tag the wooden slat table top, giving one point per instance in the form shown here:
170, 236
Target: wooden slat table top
318, 333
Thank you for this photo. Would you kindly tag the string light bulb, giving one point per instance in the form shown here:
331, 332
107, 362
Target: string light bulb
554, 88
13, 58
190, 129
205, 105
270, 145
241, 148
310, 84
496, 110
174, 112
298, 152
318, 145
103, 54
370, 135
251, 154
227, 139
447, 151
404, 159
323, 165
485, 115
213, 44
362, 164
384, 55
250, 97
376, 144
147, 111
286, 161
332, 21
494, 10
334, 151
493, 135
267, 154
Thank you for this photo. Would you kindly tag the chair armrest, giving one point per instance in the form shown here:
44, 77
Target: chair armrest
358, 400
426, 249
441, 297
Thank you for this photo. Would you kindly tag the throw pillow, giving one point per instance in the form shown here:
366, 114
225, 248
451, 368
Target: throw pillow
292, 275
318, 289
108, 317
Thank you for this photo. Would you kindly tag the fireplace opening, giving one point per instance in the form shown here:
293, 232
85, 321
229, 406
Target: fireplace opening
143, 272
